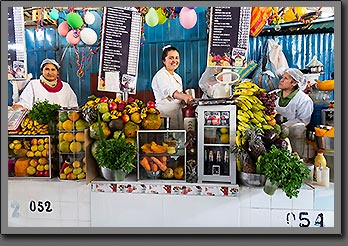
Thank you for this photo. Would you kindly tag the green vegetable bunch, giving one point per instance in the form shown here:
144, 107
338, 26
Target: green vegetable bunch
115, 153
284, 169
43, 112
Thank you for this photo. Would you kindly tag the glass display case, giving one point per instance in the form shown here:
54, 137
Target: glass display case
161, 155
216, 135
31, 156
71, 149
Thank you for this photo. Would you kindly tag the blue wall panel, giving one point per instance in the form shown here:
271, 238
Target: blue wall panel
192, 44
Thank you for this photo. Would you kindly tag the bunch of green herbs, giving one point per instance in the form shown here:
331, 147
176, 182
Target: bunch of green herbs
115, 153
44, 112
284, 169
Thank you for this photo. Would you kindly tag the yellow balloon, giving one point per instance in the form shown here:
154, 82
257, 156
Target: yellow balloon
161, 16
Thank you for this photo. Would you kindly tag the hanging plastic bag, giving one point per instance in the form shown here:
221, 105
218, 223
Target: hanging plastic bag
271, 66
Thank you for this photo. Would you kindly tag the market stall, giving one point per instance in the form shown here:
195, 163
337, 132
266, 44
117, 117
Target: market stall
118, 148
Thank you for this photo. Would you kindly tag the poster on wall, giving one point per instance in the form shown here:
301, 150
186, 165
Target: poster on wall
228, 37
16, 54
120, 46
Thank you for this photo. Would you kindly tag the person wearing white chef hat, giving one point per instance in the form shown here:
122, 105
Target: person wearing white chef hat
168, 89
295, 105
49, 87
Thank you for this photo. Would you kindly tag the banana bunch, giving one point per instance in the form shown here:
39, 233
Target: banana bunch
145, 111
251, 111
32, 127
132, 108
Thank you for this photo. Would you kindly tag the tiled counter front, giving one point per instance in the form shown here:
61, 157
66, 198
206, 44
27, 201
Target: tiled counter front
38, 203
171, 205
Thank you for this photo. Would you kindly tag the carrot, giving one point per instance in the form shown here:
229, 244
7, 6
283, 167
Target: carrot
154, 167
159, 163
145, 163
163, 160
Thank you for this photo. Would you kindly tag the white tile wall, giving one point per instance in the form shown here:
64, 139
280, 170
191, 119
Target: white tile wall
74, 205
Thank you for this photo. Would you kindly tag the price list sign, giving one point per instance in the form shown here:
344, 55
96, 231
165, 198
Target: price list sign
16, 44
120, 48
228, 36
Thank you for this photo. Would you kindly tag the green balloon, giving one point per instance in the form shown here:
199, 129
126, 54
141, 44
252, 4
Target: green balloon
151, 17
74, 20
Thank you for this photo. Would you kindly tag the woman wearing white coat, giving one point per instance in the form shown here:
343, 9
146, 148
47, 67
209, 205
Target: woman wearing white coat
168, 90
295, 105
49, 87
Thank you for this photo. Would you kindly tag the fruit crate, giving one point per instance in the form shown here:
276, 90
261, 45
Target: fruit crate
71, 146
32, 156
165, 152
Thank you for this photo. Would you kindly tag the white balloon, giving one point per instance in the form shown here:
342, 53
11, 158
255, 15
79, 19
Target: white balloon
88, 36
89, 18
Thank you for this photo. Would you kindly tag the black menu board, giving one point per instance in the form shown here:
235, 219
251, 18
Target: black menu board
228, 36
16, 53
120, 48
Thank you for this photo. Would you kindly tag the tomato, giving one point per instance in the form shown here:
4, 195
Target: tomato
150, 104
104, 99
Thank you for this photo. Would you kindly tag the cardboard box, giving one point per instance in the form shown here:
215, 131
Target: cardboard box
92, 165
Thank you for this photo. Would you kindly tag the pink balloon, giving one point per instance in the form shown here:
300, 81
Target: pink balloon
187, 17
73, 37
63, 28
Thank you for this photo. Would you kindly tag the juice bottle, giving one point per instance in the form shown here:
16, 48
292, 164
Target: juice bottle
319, 163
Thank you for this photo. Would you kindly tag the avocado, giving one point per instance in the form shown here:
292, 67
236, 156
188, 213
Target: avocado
116, 125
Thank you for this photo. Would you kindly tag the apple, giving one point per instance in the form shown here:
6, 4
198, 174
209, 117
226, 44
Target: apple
41, 141
33, 141
104, 99
121, 106
46, 173
125, 118
112, 106
130, 100
33, 162
150, 104
39, 174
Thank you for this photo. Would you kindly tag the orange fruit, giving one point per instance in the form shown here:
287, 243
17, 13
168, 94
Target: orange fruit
74, 116
68, 125
80, 136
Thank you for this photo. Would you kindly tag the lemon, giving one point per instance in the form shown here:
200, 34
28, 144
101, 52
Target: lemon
68, 136
224, 130
76, 164
68, 125
31, 170
80, 136
75, 147
225, 138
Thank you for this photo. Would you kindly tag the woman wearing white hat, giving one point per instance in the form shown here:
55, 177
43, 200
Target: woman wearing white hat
49, 87
295, 105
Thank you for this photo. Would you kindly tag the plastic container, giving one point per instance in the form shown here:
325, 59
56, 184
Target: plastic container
329, 156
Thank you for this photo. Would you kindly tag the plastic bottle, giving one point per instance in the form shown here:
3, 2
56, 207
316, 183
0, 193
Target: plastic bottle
320, 159
319, 163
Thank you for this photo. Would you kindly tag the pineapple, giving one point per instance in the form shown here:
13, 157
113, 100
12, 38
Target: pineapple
256, 146
243, 160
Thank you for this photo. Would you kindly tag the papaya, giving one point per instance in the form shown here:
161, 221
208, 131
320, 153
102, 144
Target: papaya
152, 122
20, 167
325, 85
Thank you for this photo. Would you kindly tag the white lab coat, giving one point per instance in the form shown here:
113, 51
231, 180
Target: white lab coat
35, 92
299, 109
164, 85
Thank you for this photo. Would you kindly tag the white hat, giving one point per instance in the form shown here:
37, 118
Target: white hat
297, 75
49, 61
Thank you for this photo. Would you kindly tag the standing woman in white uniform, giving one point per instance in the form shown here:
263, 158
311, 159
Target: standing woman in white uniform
168, 90
296, 106
49, 87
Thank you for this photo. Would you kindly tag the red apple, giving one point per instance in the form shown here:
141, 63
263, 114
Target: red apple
46, 173
39, 173
121, 106
125, 118
104, 99
112, 106
150, 104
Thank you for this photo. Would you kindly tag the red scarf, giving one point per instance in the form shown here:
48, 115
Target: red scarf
57, 88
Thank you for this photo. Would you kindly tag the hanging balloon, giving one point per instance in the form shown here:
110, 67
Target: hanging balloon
187, 18
89, 18
54, 14
161, 16
63, 28
96, 24
151, 17
88, 36
74, 20
73, 37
